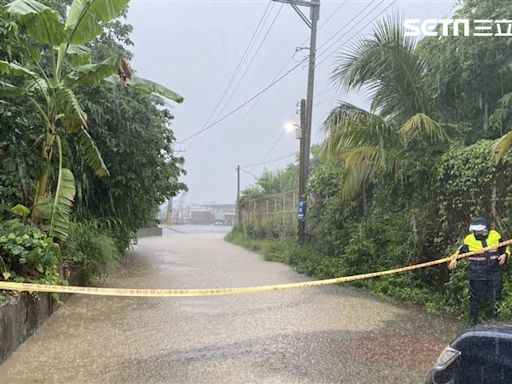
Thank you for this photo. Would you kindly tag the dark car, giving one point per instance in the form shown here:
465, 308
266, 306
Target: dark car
477, 356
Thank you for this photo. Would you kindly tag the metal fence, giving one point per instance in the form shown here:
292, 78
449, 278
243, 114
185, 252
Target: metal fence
272, 214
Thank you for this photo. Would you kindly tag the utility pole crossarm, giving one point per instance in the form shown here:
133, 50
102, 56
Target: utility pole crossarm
299, 2
301, 15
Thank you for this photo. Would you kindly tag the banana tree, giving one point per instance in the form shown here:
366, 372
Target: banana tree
63, 43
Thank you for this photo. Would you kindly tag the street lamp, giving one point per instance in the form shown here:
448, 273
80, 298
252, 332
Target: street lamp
290, 127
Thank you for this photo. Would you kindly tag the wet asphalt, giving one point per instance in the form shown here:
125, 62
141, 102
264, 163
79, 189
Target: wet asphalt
317, 335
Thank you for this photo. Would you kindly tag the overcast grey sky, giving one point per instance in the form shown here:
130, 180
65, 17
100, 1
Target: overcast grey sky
193, 47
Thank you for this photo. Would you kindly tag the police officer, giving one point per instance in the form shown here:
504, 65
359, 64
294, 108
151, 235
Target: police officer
485, 271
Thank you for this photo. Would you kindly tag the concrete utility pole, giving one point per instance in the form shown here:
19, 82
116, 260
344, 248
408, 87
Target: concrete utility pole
168, 216
304, 153
239, 211
312, 23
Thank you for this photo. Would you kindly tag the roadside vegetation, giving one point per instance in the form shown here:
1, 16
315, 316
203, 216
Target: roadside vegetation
398, 184
86, 152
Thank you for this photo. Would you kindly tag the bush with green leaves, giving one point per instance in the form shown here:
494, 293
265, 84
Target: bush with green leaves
90, 250
473, 184
27, 254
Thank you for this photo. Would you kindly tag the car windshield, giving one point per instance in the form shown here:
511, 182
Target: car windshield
255, 191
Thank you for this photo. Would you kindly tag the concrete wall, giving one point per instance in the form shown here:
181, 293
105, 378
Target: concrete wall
22, 314
147, 232
20, 317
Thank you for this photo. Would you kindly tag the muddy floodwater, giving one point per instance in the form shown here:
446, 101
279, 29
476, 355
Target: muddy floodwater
317, 335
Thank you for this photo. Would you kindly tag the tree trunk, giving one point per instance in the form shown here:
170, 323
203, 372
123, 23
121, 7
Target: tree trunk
364, 202
494, 212
414, 225
486, 116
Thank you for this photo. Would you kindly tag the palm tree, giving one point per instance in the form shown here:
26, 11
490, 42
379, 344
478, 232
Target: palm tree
501, 120
370, 142
52, 93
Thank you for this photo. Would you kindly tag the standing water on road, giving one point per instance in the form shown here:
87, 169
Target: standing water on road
319, 335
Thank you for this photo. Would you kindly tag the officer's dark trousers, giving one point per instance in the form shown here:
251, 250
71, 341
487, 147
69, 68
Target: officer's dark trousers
484, 291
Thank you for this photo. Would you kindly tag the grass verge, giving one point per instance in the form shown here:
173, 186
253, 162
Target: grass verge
306, 260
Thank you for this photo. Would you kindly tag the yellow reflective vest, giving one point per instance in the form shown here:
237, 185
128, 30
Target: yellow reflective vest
484, 266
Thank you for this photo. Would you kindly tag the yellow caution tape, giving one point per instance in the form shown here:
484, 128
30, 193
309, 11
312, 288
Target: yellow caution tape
130, 292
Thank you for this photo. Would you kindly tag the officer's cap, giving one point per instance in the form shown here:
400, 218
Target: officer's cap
479, 224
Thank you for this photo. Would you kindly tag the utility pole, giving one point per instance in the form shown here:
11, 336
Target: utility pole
303, 154
168, 216
238, 208
312, 23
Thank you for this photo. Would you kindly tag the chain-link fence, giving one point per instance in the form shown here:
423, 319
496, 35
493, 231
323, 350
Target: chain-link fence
271, 215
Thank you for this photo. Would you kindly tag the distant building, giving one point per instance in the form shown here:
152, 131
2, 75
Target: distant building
201, 217
220, 214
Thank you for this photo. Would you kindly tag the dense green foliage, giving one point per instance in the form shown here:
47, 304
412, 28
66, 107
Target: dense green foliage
136, 143
90, 250
468, 76
399, 184
270, 183
91, 154
27, 254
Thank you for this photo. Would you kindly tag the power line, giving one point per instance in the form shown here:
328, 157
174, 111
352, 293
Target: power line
324, 92
323, 101
261, 21
346, 41
273, 146
249, 173
306, 40
242, 77
223, 140
207, 127
270, 161
276, 76
346, 25
246, 114
326, 52
252, 61
359, 30
332, 14
243, 104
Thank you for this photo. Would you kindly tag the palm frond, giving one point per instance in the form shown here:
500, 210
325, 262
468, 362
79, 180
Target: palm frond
421, 126
503, 146
388, 67
354, 180
349, 127
362, 164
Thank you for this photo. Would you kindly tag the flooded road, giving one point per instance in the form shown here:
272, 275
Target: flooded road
319, 335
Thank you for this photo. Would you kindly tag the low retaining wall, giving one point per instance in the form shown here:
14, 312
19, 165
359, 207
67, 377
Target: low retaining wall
20, 317
148, 232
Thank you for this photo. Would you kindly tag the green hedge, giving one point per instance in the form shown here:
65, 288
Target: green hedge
398, 223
